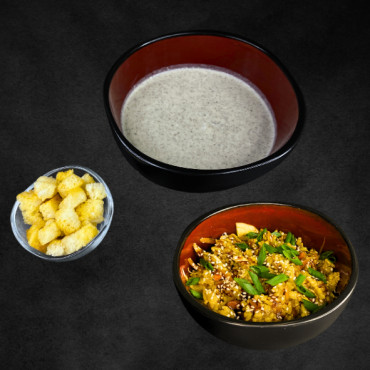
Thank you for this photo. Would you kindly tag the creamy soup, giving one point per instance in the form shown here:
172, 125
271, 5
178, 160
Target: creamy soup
198, 117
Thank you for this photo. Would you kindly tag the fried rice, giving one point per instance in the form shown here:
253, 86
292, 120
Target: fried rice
262, 276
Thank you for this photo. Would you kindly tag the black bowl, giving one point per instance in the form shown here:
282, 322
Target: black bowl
221, 51
314, 228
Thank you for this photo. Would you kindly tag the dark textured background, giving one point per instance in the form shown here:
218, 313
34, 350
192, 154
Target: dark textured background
117, 307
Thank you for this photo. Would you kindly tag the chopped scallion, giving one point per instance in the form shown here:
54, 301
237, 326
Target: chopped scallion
277, 279
243, 246
256, 282
309, 305
269, 248
261, 256
247, 286
329, 255
252, 235
193, 281
300, 279
207, 265
317, 274
276, 233
288, 237
196, 294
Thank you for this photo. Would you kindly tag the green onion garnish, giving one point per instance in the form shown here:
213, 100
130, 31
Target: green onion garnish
242, 246
329, 255
207, 265
300, 279
277, 279
247, 286
256, 282
193, 281
317, 274
309, 305
252, 235
260, 234
293, 240
269, 248
196, 294
261, 256
305, 291
276, 233
288, 237
262, 271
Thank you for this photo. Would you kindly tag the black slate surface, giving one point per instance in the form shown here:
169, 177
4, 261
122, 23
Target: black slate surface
117, 308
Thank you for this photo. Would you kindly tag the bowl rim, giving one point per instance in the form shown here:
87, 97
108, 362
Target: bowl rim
87, 248
341, 300
145, 159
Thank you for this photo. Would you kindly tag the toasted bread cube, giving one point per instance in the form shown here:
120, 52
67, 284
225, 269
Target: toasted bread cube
55, 248
33, 238
74, 198
28, 201
92, 210
63, 174
88, 179
70, 182
49, 232
45, 187
96, 191
73, 242
67, 220
49, 207
33, 218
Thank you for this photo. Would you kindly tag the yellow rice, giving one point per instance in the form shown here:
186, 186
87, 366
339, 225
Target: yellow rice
217, 289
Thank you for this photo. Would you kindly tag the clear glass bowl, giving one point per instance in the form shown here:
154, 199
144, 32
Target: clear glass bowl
19, 227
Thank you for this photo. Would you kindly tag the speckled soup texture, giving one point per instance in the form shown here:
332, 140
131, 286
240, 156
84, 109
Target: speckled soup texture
198, 117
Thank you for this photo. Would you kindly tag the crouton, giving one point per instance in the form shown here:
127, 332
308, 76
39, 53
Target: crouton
33, 238
28, 201
67, 220
96, 191
61, 175
92, 210
33, 218
70, 182
74, 198
49, 207
74, 242
45, 187
88, 179
49, 232
55, 248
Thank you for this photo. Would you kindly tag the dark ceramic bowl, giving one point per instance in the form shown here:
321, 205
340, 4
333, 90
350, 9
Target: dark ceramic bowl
314, 228
218, 50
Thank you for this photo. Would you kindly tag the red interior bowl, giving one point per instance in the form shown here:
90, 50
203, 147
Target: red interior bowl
317, 232
214, 49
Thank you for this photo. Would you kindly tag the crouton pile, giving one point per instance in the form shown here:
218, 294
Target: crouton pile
63, 212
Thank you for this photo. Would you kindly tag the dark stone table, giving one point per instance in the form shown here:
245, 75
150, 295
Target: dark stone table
117, 308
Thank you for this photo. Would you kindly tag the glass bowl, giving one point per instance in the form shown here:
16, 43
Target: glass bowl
19, 227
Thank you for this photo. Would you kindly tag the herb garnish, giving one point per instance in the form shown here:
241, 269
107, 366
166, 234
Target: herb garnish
207, 265
193, 281
247, 286
261, 256
277, 279
243, 246
317, 274
329, 255
256, 282
196, 294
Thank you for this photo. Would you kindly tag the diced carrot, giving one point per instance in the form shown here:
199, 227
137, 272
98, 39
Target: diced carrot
216, 277
302, 255
233, 304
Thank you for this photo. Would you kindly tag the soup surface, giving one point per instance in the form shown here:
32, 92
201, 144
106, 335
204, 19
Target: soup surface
198, 117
